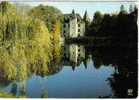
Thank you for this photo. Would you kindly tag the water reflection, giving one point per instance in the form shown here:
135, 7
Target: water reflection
82, 72
44, 92
14, 89
72, 55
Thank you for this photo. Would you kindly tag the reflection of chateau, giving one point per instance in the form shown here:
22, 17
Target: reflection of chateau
73, 26
86, 61
73, 55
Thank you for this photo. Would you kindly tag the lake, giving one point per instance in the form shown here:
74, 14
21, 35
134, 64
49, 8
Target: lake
81, 73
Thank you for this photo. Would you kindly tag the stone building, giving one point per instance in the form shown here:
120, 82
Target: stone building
73, 26
72, 55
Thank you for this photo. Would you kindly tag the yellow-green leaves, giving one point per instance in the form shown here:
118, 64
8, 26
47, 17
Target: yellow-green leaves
7, 68
26, 44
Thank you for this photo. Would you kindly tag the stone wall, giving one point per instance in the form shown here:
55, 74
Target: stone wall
73, 28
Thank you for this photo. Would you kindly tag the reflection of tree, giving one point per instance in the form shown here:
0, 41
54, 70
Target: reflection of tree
23, 89
73, 67
125, 78
96, 58
124, 60
14, 89
5, 94
41, 67
44, 93
54, 69
4, 83
97, 62
86, 61
122, 82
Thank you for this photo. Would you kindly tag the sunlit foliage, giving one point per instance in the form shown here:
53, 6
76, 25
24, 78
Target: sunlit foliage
25, 43
5, 94
48, 14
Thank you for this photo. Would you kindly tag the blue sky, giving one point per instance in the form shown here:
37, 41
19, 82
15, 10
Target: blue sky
80, 7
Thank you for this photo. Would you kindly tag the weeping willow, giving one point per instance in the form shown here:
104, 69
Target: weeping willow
25, 44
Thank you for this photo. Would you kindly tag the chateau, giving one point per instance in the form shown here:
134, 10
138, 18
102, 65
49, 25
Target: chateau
73, 25
72, 55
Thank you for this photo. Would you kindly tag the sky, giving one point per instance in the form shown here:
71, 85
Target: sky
81, 7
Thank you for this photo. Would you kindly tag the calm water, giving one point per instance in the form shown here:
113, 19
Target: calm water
78, 75
79, 83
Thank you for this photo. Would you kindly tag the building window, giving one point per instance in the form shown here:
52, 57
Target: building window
78, 35
78, 30
79, 50
79, 55
64, 25
78, 25
78, 20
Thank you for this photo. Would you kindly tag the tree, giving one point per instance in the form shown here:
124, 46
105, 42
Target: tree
44, 93
14, 89
97, 17
5, 6
56, 34
87, 21
131, 9
73, 12
48, 14
86, 61
96, 23
86, 17
122, 8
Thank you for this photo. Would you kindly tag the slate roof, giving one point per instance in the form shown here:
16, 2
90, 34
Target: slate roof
68, 17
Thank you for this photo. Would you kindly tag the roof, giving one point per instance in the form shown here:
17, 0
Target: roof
68, 17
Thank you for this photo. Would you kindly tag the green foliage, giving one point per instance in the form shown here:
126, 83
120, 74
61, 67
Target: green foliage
4, 94
44, 93
86, 17
73, 12
14, 89
97, 17
5, 6
131, 9
122, 8
7, 68
25, 41
48, 14
122, 26
95, 24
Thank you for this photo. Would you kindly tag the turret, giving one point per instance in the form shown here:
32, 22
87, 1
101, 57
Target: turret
86, 20
86, 17
73, 13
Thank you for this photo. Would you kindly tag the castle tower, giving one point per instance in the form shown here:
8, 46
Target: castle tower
73, 25
73, 12
86, 17
86, 20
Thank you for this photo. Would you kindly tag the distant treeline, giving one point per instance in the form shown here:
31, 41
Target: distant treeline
122, 25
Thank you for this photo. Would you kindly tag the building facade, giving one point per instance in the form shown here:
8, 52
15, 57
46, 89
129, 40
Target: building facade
73, 26
72, 54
